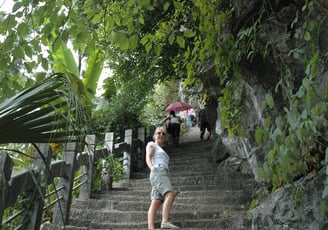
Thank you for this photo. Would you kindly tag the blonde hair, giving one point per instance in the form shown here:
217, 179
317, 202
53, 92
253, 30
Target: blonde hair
159, 129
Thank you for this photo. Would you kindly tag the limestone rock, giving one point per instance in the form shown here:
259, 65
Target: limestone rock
293, 207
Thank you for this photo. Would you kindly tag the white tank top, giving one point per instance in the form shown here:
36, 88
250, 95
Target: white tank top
174, 120
160, 158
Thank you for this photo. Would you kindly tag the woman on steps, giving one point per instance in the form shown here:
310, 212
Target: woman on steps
162, 191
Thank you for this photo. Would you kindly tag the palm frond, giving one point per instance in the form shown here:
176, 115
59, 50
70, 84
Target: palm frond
47, 112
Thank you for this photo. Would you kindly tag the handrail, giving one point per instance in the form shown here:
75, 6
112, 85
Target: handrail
12, 185
54, 191
80, 176
52, 203
79, 184
14, 216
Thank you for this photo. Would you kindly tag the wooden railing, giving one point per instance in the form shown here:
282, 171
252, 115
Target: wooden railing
44, 172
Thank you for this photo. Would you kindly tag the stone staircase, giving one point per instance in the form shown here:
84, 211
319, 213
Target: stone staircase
210, 196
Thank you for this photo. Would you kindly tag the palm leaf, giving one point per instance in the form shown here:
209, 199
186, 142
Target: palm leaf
94, 68
47, 112
63, 58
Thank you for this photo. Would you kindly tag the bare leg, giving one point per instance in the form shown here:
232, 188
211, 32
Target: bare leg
167, 205
154, 206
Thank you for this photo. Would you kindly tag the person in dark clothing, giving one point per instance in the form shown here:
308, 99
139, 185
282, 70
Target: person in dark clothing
173, 127
204, 124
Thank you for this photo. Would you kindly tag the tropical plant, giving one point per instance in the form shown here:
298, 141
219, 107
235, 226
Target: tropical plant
48, 112
36, 43
112, 168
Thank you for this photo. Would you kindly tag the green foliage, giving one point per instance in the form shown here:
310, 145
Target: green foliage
64, 61
221, 49
110, 165
48, 111
131, 110
163, 94
146, 40
48, 212
96, 180
123, 109
247, 37
93, 71
230, 112
24, 203
299, 139
22, 157
35, 44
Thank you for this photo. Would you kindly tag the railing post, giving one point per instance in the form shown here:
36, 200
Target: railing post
109, 141
87, 170
142, 137
6, 167
40, 165
127, 154
109, 144
62, 208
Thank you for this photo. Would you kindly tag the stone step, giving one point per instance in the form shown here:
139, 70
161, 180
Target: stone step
94, 219
140, 226
116, 216
194, 159
222, 198
190, 225
183, 170
192, 179
215, 223
186, 195
188, 172
208, 224
183, 191
199, 185
201, 168
189, 159
48, 226
180, 204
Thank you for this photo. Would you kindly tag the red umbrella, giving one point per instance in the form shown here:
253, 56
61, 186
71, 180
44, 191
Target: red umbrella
178, 106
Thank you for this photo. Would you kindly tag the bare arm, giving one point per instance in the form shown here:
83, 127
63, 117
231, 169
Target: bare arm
149, 156
165, 119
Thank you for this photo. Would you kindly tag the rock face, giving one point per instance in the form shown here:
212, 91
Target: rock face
282, 211
240, 147
259, 77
